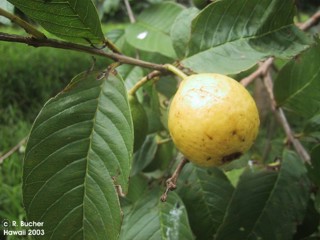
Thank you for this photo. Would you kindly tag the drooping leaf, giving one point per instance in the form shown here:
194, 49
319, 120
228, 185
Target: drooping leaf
131, 75
206, 193
312, 128
181, 30
145, 154
310, 223
267, 204
138, 184
151, 219
297, 85
153, 109
72, 20
80, 146
151, 32
314, 168
230, 36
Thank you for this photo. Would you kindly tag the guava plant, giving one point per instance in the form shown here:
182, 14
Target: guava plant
101, 159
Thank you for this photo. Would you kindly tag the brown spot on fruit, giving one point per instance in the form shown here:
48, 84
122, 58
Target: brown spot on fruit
231, 157
208, 158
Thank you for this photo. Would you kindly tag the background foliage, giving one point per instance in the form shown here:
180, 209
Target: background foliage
79, 163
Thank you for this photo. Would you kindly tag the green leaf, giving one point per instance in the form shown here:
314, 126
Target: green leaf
151, 32
151, 219
314, 168
80, 146
138, 184
180, 31
145, 154
206, 193
231, 36
72, 20
312, 128
267, 204
131, 75
297, 85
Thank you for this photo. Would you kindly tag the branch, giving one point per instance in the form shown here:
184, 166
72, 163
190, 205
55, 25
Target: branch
312, 21
172, 181
12, 150
143, 81
130, 12
79, 48
263, 68
304, 155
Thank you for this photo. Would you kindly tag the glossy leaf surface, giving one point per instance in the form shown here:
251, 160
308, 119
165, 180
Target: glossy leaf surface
297, 86
68, 19
267, 204
79, 147
231, 36
151, 219
151, 32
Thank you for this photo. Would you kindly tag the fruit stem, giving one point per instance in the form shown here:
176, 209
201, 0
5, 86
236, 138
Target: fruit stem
172, 181
143, 81
175, 71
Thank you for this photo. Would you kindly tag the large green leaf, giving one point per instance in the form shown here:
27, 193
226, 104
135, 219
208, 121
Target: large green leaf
151, 219
297, 86
79, 148
267, 204
180, 31
151, 32
230, 36
206, 193
68, 19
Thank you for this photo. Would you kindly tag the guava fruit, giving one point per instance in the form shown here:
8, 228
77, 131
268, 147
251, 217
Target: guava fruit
212, 119
140, 122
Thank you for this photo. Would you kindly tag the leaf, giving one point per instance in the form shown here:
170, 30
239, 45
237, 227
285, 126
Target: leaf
145, 154
5, 5
231, 36
267, 204
314, 168
72, 20
297, 85
313, 125
310, 223
131, 75
180, 31
79, 147
151, 32
206, 193
151, 219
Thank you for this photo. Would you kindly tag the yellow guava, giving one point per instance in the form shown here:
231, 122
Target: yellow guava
212, 119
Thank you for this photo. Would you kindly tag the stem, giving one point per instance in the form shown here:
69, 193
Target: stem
143, 81
26, 26
80, 48
175, 71
111, 46
12, 150
130, 12
172, 181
